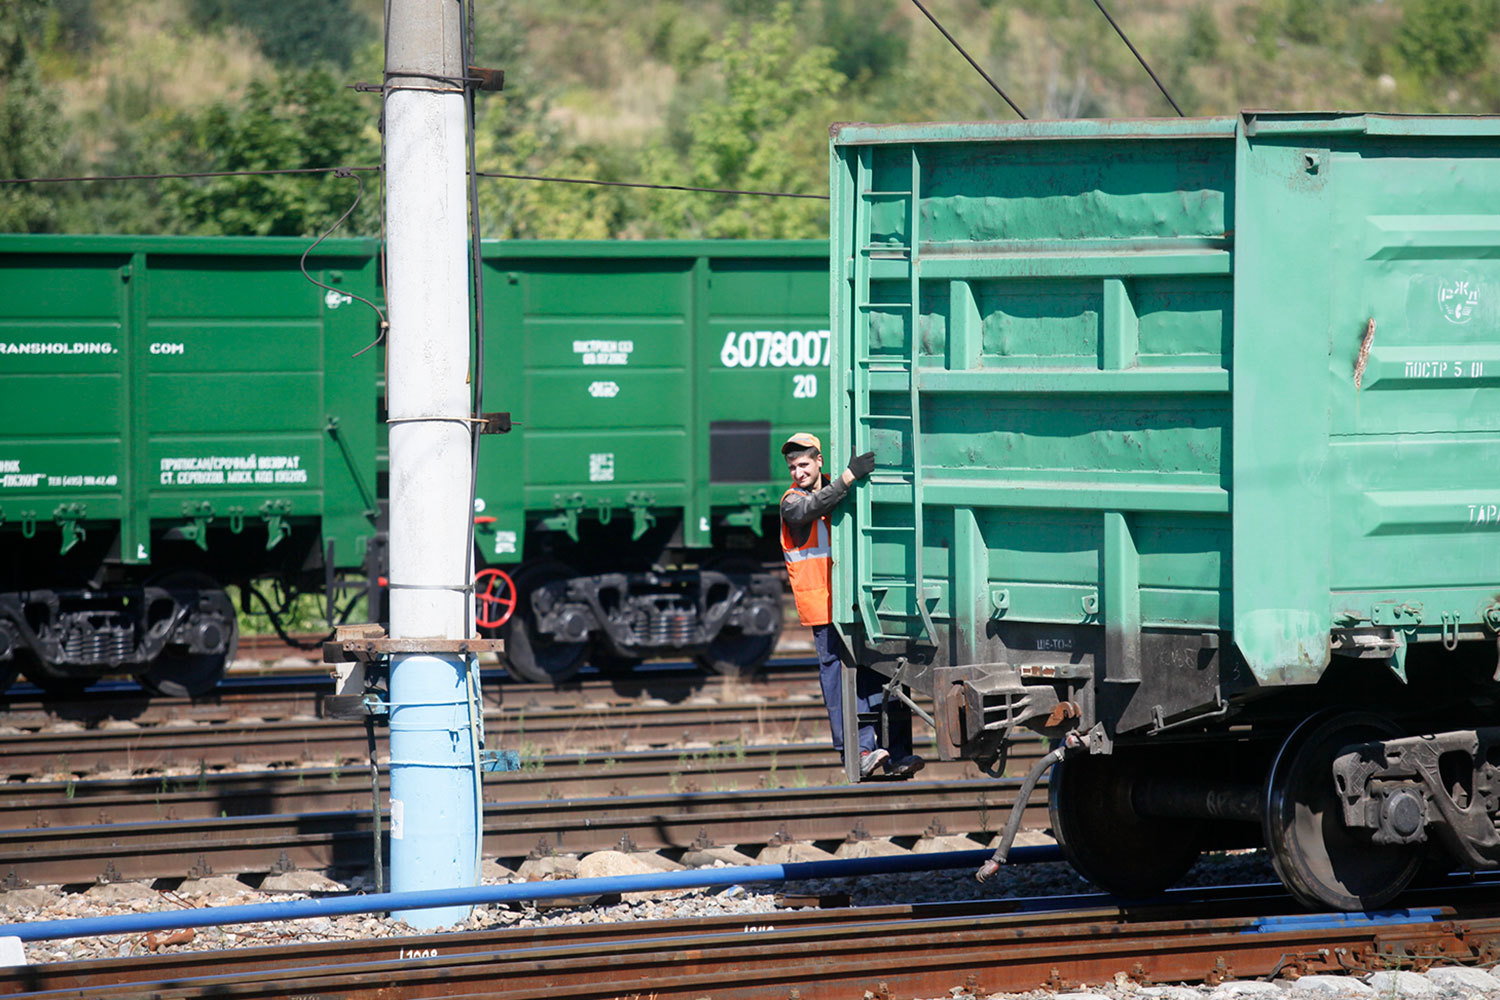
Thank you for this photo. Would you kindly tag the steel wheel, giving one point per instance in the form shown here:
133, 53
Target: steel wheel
1104, 838
178, 673
733, 653
1321, 862
529, 655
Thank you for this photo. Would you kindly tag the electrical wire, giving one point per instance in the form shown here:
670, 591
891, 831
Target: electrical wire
385, 46
954, 42
1139, 58
476, 403
626, 183
476, 284
381, 171
302, 262
654, 187
274, 616
181, 176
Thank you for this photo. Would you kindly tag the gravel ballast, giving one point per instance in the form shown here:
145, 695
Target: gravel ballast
749, 900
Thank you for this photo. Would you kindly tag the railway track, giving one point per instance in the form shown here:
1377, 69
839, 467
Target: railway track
1009, 945
300, 695
60, 752
263, 653
38, 805
340, 840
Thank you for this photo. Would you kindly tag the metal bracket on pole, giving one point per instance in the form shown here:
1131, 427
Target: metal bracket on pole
484, 79
495, 423
361, 652
367, 650
500, 760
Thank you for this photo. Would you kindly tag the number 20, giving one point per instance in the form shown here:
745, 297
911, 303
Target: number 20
804, 386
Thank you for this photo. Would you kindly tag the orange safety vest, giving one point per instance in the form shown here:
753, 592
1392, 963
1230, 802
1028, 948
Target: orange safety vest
809, 567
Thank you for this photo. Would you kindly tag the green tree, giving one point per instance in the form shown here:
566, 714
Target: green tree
31, 130
516, 137
867, 37
1307, 21
302, 119
768, 131
292, 32
1201, 39
1445, 37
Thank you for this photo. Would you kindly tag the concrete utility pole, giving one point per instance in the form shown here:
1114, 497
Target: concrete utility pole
435, 801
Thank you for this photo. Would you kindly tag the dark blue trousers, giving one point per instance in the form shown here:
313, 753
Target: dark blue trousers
868, 696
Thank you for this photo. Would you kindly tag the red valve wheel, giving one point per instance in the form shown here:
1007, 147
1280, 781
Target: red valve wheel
488, 602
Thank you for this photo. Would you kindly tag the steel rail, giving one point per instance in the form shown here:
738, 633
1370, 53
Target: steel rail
917, 955
173, 963
271, 648
340, 841
286, 695
299, 742
36, 805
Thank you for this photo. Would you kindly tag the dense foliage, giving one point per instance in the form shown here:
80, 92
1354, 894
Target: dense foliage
713, 93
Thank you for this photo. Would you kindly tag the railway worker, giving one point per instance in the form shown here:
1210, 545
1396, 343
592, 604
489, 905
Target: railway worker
809, 562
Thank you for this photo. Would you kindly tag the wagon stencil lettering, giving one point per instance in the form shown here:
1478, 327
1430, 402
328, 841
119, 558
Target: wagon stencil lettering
1458, 298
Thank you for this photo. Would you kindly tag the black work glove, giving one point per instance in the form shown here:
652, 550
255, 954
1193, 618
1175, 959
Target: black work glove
862, 465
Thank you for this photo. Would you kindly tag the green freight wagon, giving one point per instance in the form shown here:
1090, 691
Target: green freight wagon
1187, 437
649, 385
175, 415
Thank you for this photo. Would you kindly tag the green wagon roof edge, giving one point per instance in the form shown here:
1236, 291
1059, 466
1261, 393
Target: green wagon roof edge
256, 246
1256, 122
728, 248
368, 245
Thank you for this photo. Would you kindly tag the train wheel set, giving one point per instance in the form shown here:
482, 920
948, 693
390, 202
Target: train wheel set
1133, 822
1321, 861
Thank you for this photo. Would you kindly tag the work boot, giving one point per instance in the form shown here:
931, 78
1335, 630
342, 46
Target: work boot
869, 760
905, 767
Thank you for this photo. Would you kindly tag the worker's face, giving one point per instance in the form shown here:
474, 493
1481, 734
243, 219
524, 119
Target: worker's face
806, 470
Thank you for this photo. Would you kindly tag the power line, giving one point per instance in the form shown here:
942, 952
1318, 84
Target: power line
655, 187
385, 323
1138, 58
179, 176
335, 170
954, 42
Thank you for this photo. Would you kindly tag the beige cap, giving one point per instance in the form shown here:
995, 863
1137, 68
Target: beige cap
801, 440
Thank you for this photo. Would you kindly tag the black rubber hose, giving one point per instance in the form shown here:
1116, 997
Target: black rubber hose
1013, 825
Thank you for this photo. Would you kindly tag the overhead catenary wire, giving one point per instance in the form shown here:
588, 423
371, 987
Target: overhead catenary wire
654, 187
191, 175
460, 84
184, 175
1139, 58
977, 68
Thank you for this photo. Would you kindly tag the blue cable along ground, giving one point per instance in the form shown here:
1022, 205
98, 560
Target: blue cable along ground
1323, 921
337, 906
